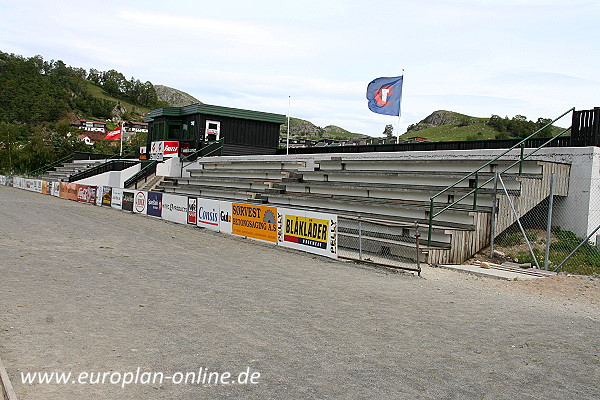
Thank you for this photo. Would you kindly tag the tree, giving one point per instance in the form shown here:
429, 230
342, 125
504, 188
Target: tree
388, 131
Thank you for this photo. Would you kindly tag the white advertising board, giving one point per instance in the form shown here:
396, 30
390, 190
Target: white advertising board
174, 208
307, 231
209, 214
117, 199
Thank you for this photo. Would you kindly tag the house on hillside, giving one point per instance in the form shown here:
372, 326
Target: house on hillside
91, 126
90, 138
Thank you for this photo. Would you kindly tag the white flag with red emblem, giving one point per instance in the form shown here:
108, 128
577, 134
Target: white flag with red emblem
115, 134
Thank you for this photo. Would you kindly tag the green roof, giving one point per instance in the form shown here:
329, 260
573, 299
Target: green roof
214, 110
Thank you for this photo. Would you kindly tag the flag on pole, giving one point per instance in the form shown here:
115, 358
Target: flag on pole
384, 95
115, 134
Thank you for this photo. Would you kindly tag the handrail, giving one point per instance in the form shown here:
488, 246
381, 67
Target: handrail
522, 157
198, 152
51, 165
142, 173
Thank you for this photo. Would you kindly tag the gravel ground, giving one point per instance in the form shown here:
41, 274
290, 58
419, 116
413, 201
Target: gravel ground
85, 288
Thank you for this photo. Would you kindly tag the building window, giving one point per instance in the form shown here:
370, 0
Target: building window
213, 131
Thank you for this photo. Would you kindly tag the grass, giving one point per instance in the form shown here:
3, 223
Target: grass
447, 133
586, 261
98, 92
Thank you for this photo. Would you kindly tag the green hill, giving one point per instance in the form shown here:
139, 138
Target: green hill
444, 126
300, 128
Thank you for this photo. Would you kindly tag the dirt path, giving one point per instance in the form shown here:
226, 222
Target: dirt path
85, 288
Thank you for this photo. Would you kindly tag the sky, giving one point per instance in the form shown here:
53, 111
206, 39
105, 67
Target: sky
534, 58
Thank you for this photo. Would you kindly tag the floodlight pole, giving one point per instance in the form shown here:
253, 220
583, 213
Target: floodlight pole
287, 146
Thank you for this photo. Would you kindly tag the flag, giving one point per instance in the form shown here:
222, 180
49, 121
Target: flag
116, 134
384, 95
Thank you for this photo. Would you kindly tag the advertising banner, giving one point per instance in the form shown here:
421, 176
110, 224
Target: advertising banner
63, 190
308, 231
127, 202
225, 212
99, 195
92, 194
174, 208
254, 221
140, 202
72, 191
37, 185
163, 149
154, 206
44, 187
116, 200
209, 214
192, 212
83, 193
56, 189
106, 196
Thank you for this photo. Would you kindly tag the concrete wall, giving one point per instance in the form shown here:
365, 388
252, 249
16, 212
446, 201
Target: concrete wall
111, 178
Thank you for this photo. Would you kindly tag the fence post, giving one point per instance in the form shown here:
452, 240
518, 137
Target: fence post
359, 239
521, 159
493, 224
475, 193
417, 236
549, 227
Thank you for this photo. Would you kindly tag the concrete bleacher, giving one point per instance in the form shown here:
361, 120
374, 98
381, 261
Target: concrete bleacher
388, 193
63, 172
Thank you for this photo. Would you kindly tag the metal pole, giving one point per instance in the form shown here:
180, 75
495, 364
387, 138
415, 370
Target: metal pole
359, 239
430, 230
287, 146
417, 236
519, 223
476, 188
549, 227
521, 159
494, 210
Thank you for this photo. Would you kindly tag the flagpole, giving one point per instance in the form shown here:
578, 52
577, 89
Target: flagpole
399, 110
287, 146
121, 150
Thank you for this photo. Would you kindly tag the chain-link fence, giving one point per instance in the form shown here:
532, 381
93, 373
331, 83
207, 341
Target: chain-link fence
561, 233
380, 242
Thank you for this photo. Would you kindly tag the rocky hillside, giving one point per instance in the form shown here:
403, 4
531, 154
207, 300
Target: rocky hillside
300, 128
175, 97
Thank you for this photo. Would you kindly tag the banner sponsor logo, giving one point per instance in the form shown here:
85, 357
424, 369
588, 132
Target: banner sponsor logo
209, 214
308, 231
174, 208
72, 190
117, 198
154, 206
140, 202
192, 212
128, 201
106, 196
92, 194
254, 221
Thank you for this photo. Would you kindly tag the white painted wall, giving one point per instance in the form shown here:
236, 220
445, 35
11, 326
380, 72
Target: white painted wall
114, 179
171, 167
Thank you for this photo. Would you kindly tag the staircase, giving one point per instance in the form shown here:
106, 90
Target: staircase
62, 173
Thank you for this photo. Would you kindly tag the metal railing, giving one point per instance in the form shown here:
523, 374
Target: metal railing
144, 173
203, 152
475, 173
